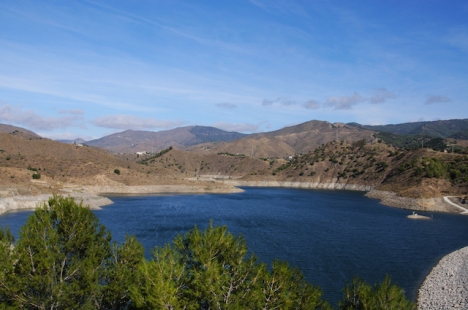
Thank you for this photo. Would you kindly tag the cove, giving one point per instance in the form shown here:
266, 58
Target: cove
331, 236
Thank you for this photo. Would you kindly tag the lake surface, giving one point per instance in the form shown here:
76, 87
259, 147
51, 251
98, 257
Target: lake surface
331, 236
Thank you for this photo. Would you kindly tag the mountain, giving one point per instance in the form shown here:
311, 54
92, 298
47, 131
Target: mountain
132, 141
290, 140
18, 131
438, 129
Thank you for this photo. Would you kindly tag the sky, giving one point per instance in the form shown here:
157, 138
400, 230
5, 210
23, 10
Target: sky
85, 69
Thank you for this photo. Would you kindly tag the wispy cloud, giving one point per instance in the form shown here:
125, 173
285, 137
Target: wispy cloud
226, 105
134, 122
437, 99
32, 120
459, 38
345, 102
278, 101
311, 105
72, 112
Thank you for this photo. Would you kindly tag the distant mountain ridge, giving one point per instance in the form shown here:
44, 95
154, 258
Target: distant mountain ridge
131, 141
291, 140
438, 129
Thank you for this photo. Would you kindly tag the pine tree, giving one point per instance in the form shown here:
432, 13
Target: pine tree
212, 269
359, 295
64, 260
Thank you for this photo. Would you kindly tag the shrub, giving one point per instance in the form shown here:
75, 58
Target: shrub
36, 176
117, 171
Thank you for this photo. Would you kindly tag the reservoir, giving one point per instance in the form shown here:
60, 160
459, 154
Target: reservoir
331, 236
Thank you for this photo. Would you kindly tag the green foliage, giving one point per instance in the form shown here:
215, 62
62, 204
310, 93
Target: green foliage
62, 260
145, 161
211, 270
359, 143
359, 295
36, 176
117, 171
434, 168
32, 169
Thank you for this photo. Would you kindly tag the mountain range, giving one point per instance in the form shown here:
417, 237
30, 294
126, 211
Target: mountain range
132, 141
295, 139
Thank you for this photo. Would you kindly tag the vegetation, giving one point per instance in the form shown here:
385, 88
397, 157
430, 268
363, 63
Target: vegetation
64, 259
145, 161
117, 171
455, 170
411, 142
359, 295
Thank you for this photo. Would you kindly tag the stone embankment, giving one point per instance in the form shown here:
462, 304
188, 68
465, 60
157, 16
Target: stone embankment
306, 185
446, 286
92, 196
18, 203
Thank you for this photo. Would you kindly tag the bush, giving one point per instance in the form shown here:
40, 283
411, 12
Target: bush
117, 171
36, 176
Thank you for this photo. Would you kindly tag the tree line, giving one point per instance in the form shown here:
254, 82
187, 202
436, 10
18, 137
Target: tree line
65, 259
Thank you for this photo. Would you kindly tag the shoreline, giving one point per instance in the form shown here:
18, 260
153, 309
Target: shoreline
96, 195
445, 286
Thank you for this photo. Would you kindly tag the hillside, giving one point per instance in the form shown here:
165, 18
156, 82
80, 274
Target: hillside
291, 140
58, 166
441, 129
18, 131
132, 141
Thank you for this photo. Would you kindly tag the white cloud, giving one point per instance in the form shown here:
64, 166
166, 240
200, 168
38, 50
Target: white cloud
278, 101
238, 127
34, 121
72, 112
226, 105
437, 99
345, 102
311, 104
133, 122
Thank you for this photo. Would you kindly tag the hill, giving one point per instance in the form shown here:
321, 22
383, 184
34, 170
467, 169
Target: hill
291, 140
439, 129
32, 166
131, 141
18, 131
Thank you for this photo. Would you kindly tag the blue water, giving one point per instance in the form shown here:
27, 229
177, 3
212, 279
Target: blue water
331, 236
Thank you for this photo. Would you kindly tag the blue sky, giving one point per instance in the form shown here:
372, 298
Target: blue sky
72, 69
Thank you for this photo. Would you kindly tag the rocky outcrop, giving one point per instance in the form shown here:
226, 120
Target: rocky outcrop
18, 203
446, 286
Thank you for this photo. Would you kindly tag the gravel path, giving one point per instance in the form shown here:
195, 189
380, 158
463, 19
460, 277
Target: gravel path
446, 286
